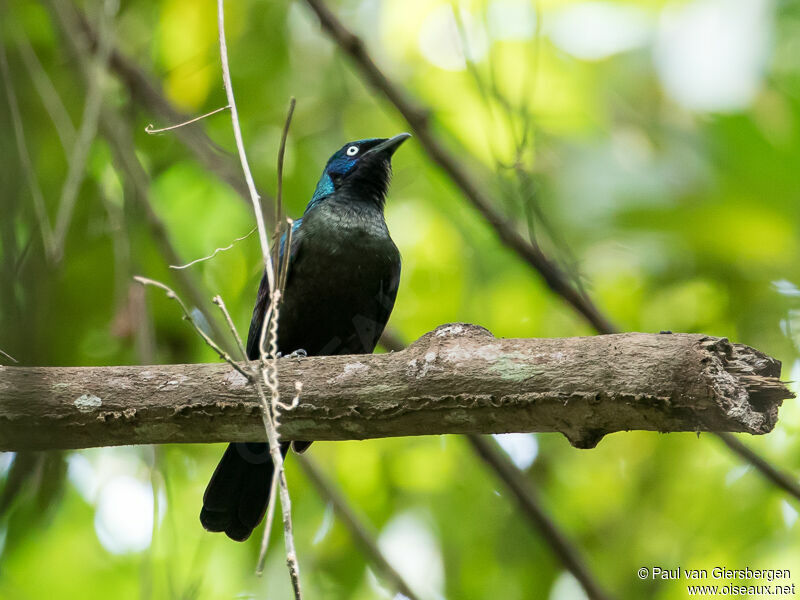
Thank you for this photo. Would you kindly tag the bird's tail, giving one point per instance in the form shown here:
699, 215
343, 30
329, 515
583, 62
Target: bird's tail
237, 495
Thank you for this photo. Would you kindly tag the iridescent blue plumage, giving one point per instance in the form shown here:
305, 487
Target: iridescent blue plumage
339, 164
343, 275
324, 188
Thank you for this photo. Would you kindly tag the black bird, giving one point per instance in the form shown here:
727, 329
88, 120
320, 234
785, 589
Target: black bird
344, 270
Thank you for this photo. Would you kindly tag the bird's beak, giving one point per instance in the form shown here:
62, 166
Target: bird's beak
389, 146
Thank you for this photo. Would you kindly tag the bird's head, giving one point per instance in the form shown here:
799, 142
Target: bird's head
361, 169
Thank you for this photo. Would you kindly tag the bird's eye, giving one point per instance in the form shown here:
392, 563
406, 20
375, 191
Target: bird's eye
352, 151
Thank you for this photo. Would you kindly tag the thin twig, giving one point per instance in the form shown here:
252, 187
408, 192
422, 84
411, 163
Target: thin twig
24, 155
529, 503
147, 93
270, 514
80, 150
358, 528
47, 92
216, 251
278, 484
9, 357
235, 332
281, 154
267, 412
270, 517
268, 356
269, 367
127, 163
269, 372
237, 135
286, 507
152, 131
419, 121
273, 494
783, 480
298, 390
188, 316
279, 195
522, 490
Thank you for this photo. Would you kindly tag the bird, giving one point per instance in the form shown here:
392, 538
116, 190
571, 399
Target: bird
341, 284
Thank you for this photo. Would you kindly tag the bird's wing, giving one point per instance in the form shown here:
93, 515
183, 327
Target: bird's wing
386, 298
262, 300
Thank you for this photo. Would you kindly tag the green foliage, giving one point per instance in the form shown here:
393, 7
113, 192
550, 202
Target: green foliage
670, 216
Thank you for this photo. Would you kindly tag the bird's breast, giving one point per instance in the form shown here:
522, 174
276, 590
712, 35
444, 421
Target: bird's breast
338, 292
346, 232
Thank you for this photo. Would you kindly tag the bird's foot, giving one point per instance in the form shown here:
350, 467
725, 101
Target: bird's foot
299, 353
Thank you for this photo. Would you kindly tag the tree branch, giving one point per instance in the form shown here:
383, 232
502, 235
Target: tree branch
147, 93
358, 528
457, 379
522, 489
268, 362
528, 501
773, 475
418, 120
39, 207
117, 134
79, 154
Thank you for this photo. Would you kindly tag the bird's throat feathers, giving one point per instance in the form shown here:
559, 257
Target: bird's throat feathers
325, 188
361, 186
358, 173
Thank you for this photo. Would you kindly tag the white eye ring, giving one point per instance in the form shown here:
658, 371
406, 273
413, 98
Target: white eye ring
352, 151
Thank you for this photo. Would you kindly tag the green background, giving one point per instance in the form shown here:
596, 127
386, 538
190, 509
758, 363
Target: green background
674, 209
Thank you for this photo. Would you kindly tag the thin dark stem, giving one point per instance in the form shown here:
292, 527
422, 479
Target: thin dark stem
281, 155
357, 527
525, 495
147, 93
419, 121
188, 316
117, 134
24, 156
783, 480
95, 65
279, 224
529, 503
48, 93
268, 362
